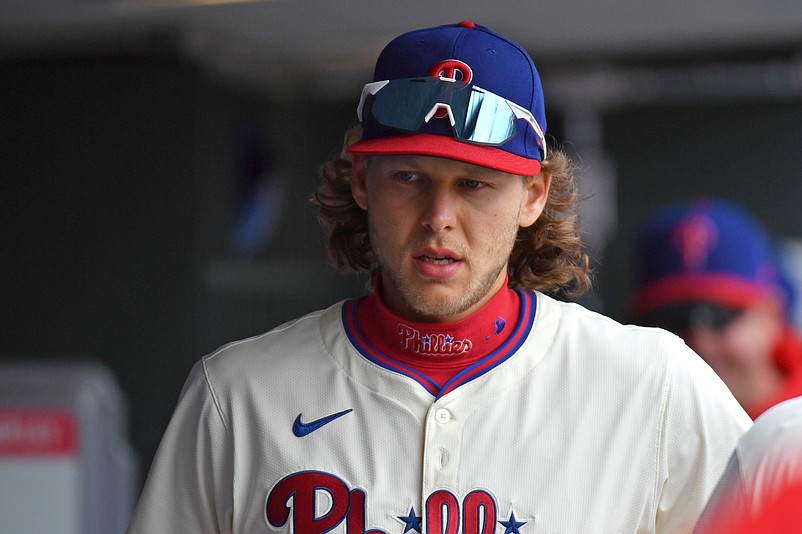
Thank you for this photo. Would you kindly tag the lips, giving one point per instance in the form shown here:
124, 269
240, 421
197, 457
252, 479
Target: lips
439, 264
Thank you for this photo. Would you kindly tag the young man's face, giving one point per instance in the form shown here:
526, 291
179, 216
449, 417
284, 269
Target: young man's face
442, 230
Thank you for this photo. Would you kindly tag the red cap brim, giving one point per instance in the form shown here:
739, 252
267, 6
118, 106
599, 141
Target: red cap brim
447, 147
730, 291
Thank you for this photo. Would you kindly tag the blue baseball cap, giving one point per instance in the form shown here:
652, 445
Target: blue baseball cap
412, 76
710, 251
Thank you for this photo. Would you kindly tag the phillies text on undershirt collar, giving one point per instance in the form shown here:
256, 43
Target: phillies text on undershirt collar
440, 350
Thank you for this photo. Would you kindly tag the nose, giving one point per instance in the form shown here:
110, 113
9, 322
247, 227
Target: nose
439, 209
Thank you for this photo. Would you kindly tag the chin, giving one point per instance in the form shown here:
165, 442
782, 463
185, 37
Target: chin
429, 307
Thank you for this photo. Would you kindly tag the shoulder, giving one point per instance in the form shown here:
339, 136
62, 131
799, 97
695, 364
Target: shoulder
619, 362
577, 317
783, 420
600, 336
276, 351
767, 461
640, 356
775, 440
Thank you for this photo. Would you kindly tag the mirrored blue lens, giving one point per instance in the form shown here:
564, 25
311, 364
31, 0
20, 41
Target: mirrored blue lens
480, 117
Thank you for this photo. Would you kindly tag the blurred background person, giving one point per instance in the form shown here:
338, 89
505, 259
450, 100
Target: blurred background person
708, 271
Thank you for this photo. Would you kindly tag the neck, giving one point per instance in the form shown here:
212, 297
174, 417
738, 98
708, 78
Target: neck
471, 337
440, 305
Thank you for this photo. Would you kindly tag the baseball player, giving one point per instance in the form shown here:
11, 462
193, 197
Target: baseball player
457, 397
709, 272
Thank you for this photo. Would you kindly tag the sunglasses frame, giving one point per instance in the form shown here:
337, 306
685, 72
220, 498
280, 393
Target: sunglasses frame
519, 112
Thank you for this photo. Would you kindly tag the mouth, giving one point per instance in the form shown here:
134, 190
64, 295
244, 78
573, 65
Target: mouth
438, 263
436, 260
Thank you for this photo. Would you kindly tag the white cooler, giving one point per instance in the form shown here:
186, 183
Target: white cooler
66, 465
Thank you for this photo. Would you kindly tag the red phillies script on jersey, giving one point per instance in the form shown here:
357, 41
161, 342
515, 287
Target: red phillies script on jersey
477, 513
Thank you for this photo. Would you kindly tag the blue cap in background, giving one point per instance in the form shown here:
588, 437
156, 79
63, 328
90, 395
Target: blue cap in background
708, 250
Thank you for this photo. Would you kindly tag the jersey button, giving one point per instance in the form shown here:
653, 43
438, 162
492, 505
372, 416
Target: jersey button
442, 416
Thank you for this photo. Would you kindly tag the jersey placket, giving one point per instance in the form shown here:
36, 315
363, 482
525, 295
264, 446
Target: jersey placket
441, 450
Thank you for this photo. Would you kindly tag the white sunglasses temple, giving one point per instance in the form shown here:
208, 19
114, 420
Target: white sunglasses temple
523, 113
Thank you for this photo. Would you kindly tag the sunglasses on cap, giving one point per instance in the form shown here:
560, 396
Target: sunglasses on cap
690, 316
477, 115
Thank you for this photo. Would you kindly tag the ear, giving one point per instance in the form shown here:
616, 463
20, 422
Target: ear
536, 190
359, 189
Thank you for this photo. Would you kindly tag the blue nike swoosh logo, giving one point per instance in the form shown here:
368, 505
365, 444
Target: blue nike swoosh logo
302, 429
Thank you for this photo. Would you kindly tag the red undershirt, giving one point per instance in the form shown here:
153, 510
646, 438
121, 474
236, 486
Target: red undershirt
439, 350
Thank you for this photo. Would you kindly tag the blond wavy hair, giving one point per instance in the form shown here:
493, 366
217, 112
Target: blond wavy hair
548, 256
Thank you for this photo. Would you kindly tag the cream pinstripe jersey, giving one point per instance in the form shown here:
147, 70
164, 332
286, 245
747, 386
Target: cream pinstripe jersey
577, 424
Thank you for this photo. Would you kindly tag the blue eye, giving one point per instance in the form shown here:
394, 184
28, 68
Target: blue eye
407, 176
473, 184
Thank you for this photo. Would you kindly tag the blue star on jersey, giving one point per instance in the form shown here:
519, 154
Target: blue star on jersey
411, 521
512, 525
